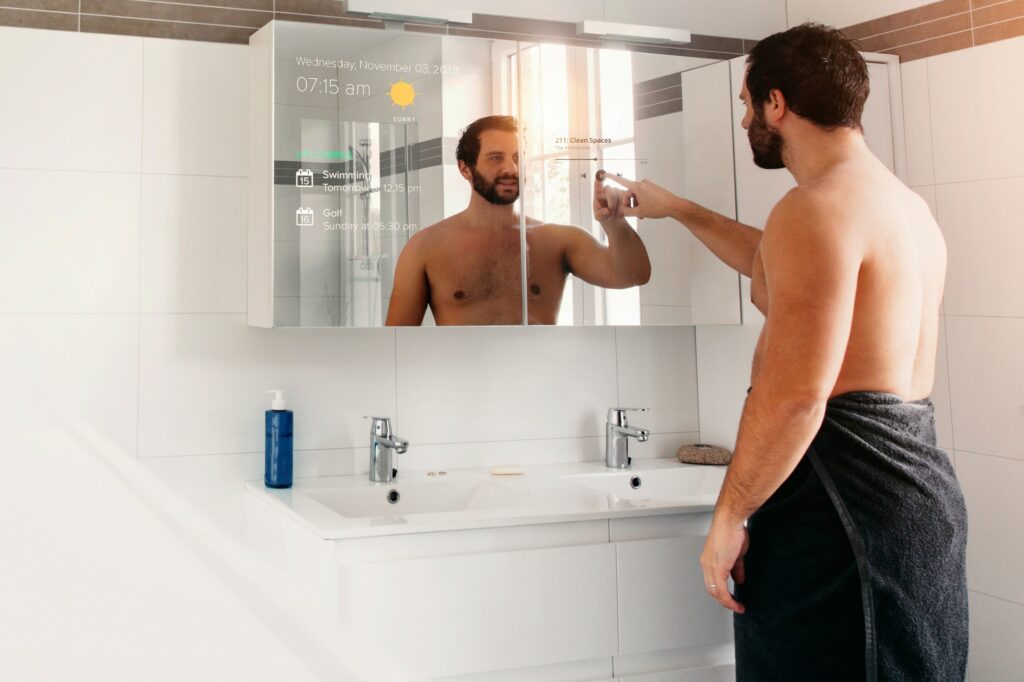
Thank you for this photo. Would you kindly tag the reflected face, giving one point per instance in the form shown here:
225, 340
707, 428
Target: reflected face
496, 173
765, 142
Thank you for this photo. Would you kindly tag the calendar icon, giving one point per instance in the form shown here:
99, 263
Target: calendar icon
303, 178
304, 217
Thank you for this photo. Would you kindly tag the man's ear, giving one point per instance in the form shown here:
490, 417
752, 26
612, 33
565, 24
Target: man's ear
775, 106
465, 171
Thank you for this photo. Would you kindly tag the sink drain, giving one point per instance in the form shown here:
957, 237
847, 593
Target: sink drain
634, 482
393, 496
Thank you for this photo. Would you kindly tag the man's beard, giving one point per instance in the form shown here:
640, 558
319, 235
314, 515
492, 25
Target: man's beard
489, 190
765, 143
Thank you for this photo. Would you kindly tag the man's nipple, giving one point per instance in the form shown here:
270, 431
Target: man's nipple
534, 289
460, 295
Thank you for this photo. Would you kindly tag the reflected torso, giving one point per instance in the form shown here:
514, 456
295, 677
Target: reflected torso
894, 332
547, 270
474, 275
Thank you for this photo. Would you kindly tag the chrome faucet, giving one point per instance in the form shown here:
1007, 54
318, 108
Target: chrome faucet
617, 434
383, 445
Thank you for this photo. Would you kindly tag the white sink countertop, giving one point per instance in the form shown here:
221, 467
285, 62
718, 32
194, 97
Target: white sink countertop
339, 507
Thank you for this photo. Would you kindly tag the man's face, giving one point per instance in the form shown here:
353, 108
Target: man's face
496, 173
765, 142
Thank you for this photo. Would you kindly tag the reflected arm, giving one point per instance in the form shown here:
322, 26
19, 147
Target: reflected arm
622, 264
411, 292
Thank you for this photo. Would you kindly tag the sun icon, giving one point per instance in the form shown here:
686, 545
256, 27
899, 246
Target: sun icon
402, 94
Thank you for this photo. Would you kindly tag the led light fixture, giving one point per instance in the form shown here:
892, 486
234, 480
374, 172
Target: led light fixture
634, 33
419, 12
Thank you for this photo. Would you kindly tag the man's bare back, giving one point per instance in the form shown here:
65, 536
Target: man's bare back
902, 256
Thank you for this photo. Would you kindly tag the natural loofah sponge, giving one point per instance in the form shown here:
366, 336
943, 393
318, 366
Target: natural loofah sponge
699, 453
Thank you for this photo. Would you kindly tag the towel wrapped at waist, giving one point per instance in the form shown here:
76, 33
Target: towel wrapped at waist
856, 564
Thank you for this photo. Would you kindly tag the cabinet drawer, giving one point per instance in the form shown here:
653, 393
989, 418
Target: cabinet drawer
662, 600
470, 613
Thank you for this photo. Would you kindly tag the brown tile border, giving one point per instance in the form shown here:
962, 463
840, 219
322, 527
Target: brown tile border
334, 21
47, 5
92, 23
921, 32
940, 27
915, 34
426, 28
930, 48
29, 18
265, 5
911, 17
1000, 12
203, 19
1001, 31
975, 4
175, 12
324, 8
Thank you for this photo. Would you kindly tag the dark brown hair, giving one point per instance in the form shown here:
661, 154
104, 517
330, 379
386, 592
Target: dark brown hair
469, 144
822, 76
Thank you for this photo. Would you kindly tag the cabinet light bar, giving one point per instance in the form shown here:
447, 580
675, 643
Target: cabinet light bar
419, 12
633, 32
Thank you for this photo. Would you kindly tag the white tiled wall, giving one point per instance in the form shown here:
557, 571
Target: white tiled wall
966, 154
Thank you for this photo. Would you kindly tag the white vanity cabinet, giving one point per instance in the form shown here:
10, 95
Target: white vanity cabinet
467, 613
618, 598
662, 602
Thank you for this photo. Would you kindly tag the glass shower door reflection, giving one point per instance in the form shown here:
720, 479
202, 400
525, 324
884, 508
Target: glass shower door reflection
382, 198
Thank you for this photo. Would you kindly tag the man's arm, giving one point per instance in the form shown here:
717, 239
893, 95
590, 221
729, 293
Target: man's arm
411, 291
733, 242
811, 265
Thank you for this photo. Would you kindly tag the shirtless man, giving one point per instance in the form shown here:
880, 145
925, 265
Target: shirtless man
467, 267
849, 272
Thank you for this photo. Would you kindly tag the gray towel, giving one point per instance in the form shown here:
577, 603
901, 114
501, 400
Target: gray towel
856, 564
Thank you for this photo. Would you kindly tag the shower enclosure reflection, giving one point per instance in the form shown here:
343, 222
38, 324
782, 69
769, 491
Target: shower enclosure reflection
341, 273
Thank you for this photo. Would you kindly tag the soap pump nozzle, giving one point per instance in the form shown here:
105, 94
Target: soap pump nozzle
278, 401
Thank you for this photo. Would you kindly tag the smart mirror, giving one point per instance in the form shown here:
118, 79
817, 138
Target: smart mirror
414, 178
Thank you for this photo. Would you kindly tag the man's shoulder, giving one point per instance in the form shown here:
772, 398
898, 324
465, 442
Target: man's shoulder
810, 222
808, 208
555, 231
434, 233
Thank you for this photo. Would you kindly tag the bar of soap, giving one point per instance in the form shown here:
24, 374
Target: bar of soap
507, 470
699, 453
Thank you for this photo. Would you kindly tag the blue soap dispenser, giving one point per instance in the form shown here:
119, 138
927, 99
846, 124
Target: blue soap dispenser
278, 462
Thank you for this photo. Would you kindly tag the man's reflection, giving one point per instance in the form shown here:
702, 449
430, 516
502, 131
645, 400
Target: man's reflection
466, 267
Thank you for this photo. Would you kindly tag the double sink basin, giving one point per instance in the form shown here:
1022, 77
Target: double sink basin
352, 506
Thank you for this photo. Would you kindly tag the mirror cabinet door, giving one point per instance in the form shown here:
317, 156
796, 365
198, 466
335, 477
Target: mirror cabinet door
637, 115
364, 126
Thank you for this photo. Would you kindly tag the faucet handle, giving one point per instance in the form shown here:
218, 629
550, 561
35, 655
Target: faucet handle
617, 415
380, 426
